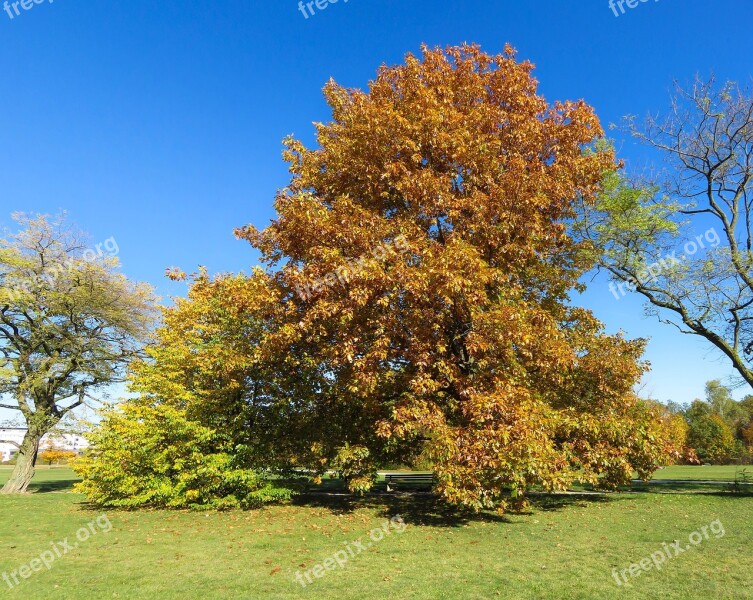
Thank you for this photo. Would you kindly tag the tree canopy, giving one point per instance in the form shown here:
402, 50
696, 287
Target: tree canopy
465, 343
69, 325
684, 238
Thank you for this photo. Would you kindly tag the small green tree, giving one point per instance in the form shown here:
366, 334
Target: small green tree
155, 456
69, 325
712, 438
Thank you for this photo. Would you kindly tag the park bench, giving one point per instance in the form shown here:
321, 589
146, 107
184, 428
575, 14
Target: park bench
392, 479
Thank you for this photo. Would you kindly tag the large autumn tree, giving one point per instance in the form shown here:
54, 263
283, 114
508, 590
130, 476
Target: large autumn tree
456, 180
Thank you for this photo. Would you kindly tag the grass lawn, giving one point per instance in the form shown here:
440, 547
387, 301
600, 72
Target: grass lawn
710, 473
564, 547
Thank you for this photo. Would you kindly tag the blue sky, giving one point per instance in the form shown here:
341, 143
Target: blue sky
159, 123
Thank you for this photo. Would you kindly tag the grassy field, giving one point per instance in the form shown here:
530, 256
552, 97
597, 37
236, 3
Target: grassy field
565, 547
710, 473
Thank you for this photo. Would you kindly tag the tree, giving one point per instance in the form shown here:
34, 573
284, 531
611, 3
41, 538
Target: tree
56, 455
710, 434
723, 404
684, 240
746, 429
712, 438
677, 430
746, 404
747, 435
69, 325
424, 266
697, 409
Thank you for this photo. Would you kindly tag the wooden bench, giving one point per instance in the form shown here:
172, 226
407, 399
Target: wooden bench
408, 478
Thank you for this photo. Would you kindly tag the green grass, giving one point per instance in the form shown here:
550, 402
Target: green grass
710, 473
47, 479
565, 547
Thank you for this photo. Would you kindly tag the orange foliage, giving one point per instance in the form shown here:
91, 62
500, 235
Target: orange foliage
465, 344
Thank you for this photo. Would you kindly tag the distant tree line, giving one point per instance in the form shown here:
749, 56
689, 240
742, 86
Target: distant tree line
719, 428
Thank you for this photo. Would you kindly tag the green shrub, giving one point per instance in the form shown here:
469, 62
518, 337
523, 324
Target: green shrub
154, 456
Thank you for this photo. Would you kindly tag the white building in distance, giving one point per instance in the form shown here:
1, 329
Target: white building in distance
61, 441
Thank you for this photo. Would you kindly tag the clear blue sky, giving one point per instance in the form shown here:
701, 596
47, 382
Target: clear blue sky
159, 123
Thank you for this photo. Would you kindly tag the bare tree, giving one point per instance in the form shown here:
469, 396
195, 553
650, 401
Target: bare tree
686, 242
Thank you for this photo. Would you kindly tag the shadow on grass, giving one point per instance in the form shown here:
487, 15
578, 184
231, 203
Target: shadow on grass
60, 485
415, 508
425, 508
553, 502
726, 490
46, 480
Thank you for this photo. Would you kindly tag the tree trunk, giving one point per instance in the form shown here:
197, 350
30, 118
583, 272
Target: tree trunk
25, 461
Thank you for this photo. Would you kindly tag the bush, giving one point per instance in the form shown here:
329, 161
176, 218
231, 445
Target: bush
154, 456
352, 464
